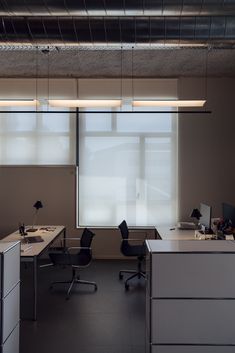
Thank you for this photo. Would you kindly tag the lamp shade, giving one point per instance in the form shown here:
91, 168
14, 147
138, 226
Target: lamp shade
195, 213
38, 204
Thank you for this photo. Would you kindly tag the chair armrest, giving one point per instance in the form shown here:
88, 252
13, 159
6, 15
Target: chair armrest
78, 247
72, 238
132, 239
63, 241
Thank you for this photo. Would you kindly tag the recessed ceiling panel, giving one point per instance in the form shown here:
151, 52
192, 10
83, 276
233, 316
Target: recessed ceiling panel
113, 30
218, 27
172, 8
230, 28
67, 30
157, 29
202, 29
187, 28
98, 30
36, 29
127, 30
142, 30
153, 7
173, 29
34, 7
83, 30
52, 30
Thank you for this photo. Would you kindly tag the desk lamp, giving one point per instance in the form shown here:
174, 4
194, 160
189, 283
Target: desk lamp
38, 204
196, 214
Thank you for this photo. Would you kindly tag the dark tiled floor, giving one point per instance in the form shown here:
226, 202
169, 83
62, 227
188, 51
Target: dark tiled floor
110, 320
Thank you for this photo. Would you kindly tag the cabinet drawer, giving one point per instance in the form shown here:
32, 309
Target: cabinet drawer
193, 322
10, 312
11, 268
12, 343
191, 349
193, 275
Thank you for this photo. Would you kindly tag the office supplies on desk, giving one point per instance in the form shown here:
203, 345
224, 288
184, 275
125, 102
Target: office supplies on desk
34, 239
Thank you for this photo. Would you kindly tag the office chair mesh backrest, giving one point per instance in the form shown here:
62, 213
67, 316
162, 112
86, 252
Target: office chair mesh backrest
125, 246
124, 230
85, 242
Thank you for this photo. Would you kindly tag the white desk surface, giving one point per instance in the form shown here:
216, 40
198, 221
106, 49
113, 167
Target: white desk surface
175, 234
188, 246
35, 249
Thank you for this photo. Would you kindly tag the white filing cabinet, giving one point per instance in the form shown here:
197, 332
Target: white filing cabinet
10, 296
190, 296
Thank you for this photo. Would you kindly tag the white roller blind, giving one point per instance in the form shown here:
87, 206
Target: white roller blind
127, 169
37, 139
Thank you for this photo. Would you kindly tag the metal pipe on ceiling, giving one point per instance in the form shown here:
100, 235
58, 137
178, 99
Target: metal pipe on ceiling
116, 30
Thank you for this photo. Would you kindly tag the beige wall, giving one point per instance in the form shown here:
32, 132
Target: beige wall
206, 171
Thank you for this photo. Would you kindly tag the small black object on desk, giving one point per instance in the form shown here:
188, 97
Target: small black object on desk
34, 239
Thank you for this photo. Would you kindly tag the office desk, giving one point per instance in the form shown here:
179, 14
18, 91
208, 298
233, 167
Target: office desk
190, 296
31, 252
165, 233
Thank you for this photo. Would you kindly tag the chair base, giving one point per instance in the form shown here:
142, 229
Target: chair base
135, 273
74, 281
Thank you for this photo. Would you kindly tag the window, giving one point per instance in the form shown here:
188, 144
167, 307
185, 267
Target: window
37, 139
127, 169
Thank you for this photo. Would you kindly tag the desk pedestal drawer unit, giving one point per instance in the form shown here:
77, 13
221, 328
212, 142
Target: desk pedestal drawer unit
190, 296
10, 295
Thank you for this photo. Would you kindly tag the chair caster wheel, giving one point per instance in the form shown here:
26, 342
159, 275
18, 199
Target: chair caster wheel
120, 276
127, 286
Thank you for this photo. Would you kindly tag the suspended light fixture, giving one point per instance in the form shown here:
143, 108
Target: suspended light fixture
85, 103
168, 103
18, 102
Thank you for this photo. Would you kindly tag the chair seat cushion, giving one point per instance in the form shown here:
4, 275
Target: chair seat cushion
134, 250
64, 258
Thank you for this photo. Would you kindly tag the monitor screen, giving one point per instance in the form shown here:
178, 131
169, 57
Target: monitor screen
205, 219
228, 213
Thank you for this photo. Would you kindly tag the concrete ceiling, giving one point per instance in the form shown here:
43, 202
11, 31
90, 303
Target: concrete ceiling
80, 34
116, 63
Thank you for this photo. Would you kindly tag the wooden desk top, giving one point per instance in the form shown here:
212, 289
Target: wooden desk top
173, 233
48, 233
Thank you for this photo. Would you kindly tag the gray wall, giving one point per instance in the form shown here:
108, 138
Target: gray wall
206, 171
207, 146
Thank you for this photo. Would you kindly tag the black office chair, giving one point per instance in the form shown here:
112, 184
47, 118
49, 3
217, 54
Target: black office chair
131, 250
77, 261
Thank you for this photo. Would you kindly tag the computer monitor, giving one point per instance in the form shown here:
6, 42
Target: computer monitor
228, 213
205, 219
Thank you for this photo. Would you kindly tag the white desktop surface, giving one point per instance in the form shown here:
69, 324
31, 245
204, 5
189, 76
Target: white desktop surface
35, 249
187, 246
175, 234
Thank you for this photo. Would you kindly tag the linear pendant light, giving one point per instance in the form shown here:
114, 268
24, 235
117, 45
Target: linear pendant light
168, 103
18, 102
84, 103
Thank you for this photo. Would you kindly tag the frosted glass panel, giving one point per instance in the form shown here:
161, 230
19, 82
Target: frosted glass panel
144, 123
127, 171
37, 139
55, 123
20, 122
19, 148
98, 122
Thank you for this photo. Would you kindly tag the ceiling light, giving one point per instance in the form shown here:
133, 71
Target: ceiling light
18, 102
85, 103
168, 103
